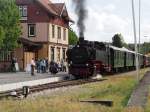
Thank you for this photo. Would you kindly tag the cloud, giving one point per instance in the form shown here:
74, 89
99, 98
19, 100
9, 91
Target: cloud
105, 18
101, 26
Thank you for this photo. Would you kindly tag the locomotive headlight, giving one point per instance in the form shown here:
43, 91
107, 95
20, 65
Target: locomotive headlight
87, 64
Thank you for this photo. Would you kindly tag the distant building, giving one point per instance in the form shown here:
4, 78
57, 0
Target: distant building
44, 31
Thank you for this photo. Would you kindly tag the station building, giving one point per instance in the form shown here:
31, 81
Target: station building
44, 31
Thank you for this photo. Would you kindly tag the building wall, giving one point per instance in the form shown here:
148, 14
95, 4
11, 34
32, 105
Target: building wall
43, 53
35, 12
41, 32
19, 54
55, 38
27, 58
56, 52
59, 21
43, 21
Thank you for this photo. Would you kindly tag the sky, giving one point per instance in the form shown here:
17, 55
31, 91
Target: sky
108, 17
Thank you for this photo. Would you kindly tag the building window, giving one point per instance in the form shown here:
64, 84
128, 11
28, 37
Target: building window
59, 33
53, 31
31, 30
64, 54
58, 54
23, 11
64, 36
52, 54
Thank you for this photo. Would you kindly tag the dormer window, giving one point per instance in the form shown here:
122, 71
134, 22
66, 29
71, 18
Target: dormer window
23, 12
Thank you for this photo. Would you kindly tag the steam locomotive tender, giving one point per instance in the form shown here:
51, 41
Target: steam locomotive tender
92, 57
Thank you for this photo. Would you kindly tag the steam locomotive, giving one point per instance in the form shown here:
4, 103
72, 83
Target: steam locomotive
91, 57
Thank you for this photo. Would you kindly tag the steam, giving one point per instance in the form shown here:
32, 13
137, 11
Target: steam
82, 14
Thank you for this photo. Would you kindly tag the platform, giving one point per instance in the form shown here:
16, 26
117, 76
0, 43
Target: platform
11, 81
139, 95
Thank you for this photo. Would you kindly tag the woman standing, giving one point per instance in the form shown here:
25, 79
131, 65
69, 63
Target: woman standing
32, 66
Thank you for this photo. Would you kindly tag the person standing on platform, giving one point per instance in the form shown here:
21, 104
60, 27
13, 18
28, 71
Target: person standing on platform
38, 66
44, 66
13, 61
46, 60
32, 66
65, 66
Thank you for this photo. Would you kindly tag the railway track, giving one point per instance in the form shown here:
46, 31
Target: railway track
38, 88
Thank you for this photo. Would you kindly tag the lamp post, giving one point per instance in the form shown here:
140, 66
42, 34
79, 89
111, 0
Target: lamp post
135, 41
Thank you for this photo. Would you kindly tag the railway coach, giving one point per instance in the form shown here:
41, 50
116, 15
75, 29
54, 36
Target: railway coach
90, 57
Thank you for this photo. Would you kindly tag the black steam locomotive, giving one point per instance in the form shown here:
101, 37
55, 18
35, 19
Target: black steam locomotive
90, 57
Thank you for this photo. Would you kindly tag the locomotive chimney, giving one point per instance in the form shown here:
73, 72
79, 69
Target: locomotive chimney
81, 39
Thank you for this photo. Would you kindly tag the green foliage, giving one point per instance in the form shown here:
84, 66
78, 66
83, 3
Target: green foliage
73, 39
145, 48
2, 34
118, 41
117, 88
9, 22
131, 47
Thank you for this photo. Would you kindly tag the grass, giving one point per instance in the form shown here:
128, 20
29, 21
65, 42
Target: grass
117, 88
147, 108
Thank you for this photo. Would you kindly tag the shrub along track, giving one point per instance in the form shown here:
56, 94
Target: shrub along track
49, 86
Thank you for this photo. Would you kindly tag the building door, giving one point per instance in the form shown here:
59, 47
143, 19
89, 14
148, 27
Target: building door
27, 58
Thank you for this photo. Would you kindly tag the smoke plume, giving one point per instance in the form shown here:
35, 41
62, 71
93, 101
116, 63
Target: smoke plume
82, 14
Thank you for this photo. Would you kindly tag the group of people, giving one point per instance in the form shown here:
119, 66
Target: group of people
43, 66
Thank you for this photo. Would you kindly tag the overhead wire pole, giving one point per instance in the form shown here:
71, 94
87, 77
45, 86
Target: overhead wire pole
139, 24
135, 41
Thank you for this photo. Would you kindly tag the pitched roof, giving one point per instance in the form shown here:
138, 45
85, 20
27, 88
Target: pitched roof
56, 9
61, 10
47, 5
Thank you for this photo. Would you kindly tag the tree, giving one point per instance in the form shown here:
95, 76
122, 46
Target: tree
118, 41
145, 48
2, 35
10, 24
73, 39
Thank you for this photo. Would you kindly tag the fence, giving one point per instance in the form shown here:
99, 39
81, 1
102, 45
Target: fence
5, 60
